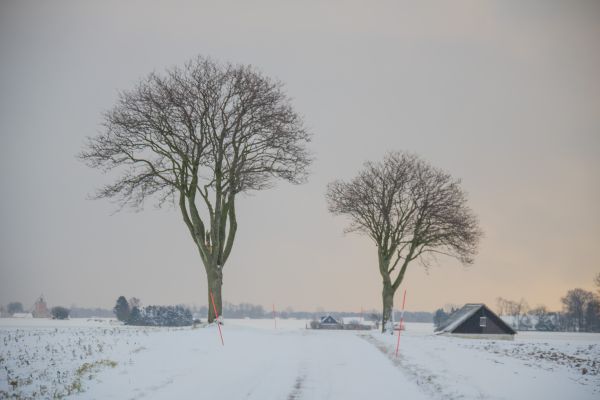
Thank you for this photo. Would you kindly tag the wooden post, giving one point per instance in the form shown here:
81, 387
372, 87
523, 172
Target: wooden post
217, 317
401, 322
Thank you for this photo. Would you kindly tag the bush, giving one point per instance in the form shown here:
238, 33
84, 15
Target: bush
161, 316
60, 313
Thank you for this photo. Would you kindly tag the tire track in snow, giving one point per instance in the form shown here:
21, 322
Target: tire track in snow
426, 380
143, 392
296, 392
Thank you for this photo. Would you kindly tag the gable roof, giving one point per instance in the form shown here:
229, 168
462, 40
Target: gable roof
458, 317
328, 320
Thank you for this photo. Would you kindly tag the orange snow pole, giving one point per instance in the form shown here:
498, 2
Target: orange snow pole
274, 317
217, 317
401, 322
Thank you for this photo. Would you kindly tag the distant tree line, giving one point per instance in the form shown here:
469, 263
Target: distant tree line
247, 310
125, 307
441, 315
14, 307
80, 312
417, 316
580, 313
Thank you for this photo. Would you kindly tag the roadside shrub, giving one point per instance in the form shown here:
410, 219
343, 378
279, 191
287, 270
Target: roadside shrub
60, 313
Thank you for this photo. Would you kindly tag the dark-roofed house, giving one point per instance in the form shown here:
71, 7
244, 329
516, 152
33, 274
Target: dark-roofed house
476, 321
327, 322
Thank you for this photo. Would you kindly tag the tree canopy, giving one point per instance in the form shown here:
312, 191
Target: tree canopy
411, 210
198, 135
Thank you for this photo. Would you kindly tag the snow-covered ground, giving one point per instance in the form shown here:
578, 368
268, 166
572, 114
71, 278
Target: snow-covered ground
536, 365
100, 359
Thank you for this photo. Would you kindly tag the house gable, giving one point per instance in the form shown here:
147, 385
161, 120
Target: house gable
328, 320
475, 319
493, 323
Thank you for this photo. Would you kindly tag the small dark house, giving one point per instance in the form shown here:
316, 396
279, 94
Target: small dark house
328, 322
476, 321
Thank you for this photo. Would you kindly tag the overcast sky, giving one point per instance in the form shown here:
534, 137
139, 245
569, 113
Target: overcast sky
504, 95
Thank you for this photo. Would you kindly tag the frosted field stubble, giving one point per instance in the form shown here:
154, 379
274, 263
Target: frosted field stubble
98, 358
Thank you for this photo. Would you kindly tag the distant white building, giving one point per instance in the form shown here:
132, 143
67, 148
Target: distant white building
22, 315
357, 321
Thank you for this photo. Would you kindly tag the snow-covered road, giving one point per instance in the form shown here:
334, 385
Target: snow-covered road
254, 364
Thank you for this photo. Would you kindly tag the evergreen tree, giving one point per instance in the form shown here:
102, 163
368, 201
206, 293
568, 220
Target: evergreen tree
135, 317
121, 309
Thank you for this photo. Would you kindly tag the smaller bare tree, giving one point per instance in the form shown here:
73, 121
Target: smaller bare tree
412, 211
501, 305
575, 306
516, 309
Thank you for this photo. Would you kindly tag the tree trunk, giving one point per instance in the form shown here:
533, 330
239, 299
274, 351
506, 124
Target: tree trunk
215, 283
388, 305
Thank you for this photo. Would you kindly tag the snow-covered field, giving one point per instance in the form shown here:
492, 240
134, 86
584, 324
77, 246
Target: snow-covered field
100, 359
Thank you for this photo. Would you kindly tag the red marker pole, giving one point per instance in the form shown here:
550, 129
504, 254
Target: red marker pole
401, 322
217, 316
274, 318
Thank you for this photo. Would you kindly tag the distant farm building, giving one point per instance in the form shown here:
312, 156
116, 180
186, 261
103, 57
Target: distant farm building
327, 322
40, 308
22, 315
347, 323
476, 321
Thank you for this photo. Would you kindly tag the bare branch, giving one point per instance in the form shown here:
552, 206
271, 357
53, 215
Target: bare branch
409, 209
208, 129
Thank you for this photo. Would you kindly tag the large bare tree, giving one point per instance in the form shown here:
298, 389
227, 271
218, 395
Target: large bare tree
412, 211
197, 136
